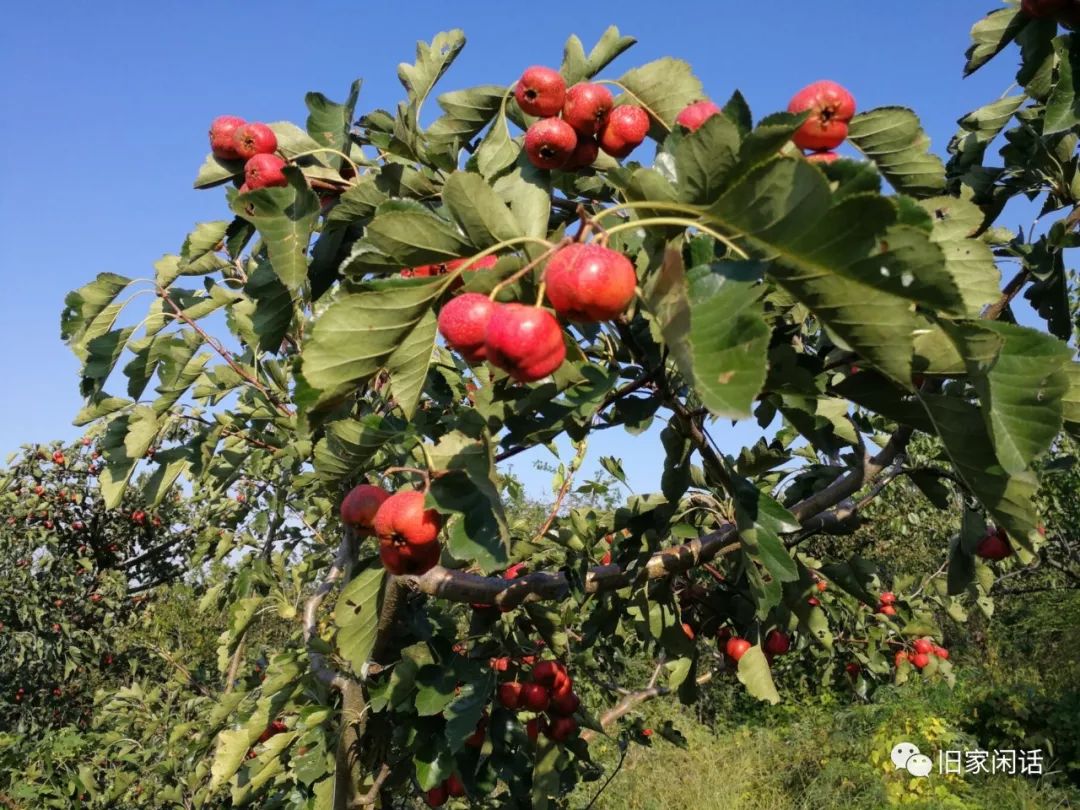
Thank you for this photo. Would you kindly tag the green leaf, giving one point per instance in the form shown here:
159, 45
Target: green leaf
349, 445
497, 151
410, 235
704, 158
467, 488
232, 746
465, 710
663, 87
990, 35
285, 218
527, 190
432, 61
1071, 400
1008, 498
610, 45
726, 347
329, 122
545, 776
101, 355
215, 171
198, 254
1063, 106
356, 335
357, 616
760, 520
755, 675
969, 261
1020, 391
408, 364
467, 112
893, 138
91, 311
273, 312
478, 210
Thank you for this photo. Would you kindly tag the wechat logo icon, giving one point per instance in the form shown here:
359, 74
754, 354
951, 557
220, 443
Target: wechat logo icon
905, 756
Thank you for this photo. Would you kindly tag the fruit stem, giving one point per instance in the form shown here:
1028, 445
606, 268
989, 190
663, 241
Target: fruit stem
337, 152
416, 470
518, 274
640, 103
689, 223
540, 293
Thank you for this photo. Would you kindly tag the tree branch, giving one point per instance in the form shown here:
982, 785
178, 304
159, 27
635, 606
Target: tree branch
632, 701
319, 667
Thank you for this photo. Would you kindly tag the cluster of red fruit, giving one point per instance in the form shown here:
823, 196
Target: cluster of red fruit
437, 796
590, 121
586, 283
276, 727
552, 691
1066, 12
233, 138
919, 656
777, 642
831, 107
886, 602
407, 532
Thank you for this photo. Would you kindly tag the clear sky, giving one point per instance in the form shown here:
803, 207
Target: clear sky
106, 105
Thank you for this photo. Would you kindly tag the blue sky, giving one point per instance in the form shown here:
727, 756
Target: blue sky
106, 107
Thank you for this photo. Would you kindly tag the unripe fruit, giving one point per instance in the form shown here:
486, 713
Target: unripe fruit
587, 107
454, 786
565, 704
254, 139
920, 660
562, 729
624, 130
360, 505
264, 171
822, 157
831, 106
535, 697
585, 153
994, 546
696, 114
549, 143
525, 342
402, 516
736, 648
887, 598
887, 610
540, 91
222, 130
588, 283
777, 642
510, 694
463, 323
923, 645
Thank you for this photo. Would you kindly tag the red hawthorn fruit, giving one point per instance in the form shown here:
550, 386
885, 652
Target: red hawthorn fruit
39, 490
941, 652
454, 786
923, 645
264, 171
736, 647
550, 143
535, 697
565, 704
436, 797
646, 732
138, 517
58, 602
540, 91
587, 107
360, 505
546, 672
688, 631
606, 559
920, 660
831, 106
500, 664
254, 139
222, 130
463, 323
588, 283
852, 669
535, 727
994, 545
525, 342
1047, 8
624, 130
813, 601
887, 610
822, 157
57, 691
585, 153
561, 729
696, 114
822, 585
887, 598
56, 628
510, 694
399, 557
78, 525
58, 458
900, 658
402, 516
777, 642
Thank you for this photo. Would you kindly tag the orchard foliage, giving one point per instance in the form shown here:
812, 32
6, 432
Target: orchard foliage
846, 305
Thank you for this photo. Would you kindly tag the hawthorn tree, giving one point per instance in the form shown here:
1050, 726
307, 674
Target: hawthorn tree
848, 305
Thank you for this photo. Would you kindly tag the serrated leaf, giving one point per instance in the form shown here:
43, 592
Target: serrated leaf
663, 87
357, 616
411, 235
408, 364
478, 210
1063, 105
893, 138
545, 776
467, 112
285, 218
990, 35
527, 190
229, 752
215, 171
497, 151
755, 675
91, 311
349, 444
704, 158
273, 311
329, 123
969, 261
